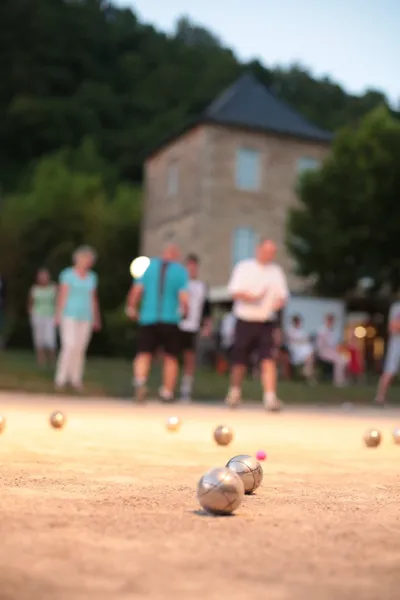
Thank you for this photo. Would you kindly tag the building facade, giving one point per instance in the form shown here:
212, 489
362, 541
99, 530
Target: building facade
229, 180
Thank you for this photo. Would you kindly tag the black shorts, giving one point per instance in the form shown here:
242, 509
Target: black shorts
161, 336
254, 338
188, 341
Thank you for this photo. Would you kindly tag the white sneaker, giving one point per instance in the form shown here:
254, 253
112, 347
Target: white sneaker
185, 399
272, 404
233, 398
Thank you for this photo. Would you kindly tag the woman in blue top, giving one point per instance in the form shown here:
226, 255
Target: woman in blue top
77, 315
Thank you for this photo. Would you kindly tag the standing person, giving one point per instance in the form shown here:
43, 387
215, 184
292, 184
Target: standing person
42, 310
227, 334
301, 349
78, 315
2, 310
328, 351
163, 293
259, 289
197, 320
392, 360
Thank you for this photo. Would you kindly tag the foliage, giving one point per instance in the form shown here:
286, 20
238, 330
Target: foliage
347, 225
87, 68
69, 200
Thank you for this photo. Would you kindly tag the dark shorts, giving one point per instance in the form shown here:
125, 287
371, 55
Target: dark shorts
253, 338
188, 341
161, 336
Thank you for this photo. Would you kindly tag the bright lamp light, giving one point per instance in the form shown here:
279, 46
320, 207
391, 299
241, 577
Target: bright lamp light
139, 266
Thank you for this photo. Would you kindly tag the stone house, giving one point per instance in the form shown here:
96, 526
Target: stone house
228, 179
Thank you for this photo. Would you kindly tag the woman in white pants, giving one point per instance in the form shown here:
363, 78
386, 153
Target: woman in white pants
77, 315
328, 351
42, 308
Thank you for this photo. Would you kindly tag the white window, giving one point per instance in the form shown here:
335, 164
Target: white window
307, 164
172, 180
248, 169
245, 240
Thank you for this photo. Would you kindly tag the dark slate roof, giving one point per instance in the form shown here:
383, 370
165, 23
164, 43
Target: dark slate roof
248, 103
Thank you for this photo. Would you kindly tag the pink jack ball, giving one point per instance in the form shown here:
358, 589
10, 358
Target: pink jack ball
261, 455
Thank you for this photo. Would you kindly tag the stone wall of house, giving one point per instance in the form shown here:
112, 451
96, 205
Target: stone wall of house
203, 216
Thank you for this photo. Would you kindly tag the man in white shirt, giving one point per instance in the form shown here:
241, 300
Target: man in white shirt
259, 289
197, 320
300, 348
392, 360
328, 351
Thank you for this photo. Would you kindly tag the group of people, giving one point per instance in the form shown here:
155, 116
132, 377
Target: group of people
170, 312
170, 305
297, 349
72, 307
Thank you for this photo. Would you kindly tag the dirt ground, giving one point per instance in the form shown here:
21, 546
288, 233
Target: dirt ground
106, 508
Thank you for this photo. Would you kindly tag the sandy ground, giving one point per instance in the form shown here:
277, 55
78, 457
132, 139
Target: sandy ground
107, 508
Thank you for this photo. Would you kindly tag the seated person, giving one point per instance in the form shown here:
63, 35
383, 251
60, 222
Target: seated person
328, 351
356, 365
227, 333
300, 348
283, 357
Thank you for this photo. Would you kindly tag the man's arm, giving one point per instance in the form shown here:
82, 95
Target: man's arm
237, 286
282, 291
394, 325
133, 299
183, 294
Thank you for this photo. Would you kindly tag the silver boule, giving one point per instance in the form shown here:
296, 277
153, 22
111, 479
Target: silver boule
220, 491
249, 470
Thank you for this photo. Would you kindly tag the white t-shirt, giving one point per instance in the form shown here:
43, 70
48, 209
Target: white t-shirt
197, 298
327, 340
250, 276
299, 344
394, 314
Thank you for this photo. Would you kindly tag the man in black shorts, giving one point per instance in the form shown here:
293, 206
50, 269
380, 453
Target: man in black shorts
162, 291
259, 289
197, 319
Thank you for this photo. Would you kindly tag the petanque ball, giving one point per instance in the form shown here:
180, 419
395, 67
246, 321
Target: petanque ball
2, 423
173, 423
223, 435
220, 491
396, 435
249, 470
372, 438
57, 420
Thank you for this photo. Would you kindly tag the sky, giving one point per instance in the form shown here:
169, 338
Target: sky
355, 42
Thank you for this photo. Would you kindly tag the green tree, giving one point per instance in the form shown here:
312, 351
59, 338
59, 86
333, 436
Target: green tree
348, 222
69, 201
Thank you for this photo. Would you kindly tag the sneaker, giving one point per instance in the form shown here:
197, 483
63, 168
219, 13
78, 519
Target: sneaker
379, 403
140, 394
185, 399
165, 396
273, 404
233, 398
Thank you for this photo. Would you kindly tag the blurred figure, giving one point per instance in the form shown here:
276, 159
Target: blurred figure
283, 359
42, 310
2, 310
197, 321
227, 334
259, 289
392, 360
328, 351
78, 315
301, 349
356, 366
163, 293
